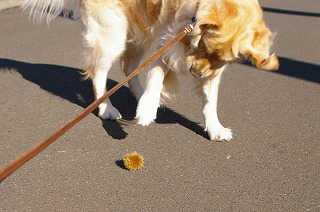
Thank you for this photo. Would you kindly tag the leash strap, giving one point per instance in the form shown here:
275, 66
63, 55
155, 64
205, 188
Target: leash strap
18, 162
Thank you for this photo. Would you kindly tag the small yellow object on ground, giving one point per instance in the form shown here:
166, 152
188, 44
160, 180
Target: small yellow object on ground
133, 161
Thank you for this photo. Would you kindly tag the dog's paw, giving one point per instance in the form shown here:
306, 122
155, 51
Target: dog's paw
109, 112
220, 134
145, 117
144, 120
146, 111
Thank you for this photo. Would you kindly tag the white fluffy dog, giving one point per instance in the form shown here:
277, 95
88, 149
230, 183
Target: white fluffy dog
130, 30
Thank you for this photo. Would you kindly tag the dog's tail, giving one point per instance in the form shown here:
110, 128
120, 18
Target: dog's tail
49, 9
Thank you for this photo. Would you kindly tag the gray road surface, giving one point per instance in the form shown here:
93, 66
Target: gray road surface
272, 164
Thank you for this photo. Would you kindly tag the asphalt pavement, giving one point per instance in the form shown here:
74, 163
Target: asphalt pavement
272, 164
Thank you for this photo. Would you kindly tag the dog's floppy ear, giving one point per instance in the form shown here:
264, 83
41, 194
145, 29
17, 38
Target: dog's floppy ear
271, 63
259, 52
207, 30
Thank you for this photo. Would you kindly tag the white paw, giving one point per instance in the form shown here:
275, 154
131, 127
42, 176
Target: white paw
108, 112
146, 111
220, 134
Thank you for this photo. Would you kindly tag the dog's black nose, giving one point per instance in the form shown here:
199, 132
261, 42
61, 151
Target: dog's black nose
194, 72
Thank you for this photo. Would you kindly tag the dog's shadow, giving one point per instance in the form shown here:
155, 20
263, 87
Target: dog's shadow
68, 83
297, 69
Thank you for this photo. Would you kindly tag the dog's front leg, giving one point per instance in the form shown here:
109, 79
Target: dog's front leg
150, 100
210, 90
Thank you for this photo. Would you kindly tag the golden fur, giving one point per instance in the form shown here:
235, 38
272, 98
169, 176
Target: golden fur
230, 30
130, 30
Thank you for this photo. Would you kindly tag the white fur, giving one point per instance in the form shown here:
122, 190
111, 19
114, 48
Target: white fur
210, 91
51, 8
110, 35
150, 100
105, 36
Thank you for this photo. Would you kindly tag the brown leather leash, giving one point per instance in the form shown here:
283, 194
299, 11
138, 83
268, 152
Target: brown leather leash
18, 162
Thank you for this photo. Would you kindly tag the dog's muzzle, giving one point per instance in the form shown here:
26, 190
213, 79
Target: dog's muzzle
195, 72
270, 64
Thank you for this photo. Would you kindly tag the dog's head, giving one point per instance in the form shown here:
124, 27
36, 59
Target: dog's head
228, 31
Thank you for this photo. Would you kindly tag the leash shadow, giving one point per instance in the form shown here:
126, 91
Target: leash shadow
67, 83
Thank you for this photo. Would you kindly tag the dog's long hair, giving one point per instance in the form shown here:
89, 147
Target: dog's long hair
227, 31
49, 9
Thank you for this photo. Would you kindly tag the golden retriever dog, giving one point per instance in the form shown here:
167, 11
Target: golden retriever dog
131, 30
